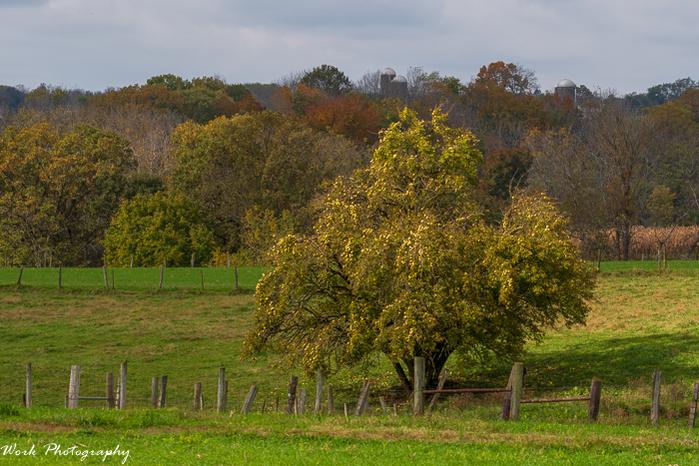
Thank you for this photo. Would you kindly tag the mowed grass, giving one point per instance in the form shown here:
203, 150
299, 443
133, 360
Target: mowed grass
640, 321
185, 438
649, 266
134, 279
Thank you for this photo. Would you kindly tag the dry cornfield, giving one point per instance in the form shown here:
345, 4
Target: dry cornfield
679, 242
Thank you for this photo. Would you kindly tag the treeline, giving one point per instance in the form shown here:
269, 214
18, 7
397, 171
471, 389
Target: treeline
183, 171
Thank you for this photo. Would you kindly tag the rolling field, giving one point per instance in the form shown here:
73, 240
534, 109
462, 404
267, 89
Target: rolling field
640, 321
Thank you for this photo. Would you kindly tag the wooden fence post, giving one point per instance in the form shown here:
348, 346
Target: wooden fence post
291, 395
517, 389
440, 385
320, 381
104, 277
163, 391
162, 277
331, 401
60, 277
74, 387
110, 390
154, 392
28, 387
419, 386
595, 395
221, 390
693, 406
382, 402
201, 272
363, 399
249, 400
197, 397
235, 276
505, 416
113, 285
122, 385
19, 279
301, 402
192, 259
655, 399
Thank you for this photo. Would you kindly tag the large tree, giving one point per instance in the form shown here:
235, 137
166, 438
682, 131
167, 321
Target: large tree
58, 192
400, 262
328, 79
266, 159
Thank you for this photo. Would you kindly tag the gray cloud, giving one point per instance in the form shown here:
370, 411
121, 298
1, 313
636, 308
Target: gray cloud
99, 43
22, 3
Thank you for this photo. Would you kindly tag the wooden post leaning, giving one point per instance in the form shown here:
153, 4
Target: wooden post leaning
363, 401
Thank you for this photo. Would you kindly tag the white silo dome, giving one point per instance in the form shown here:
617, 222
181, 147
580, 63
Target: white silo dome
566, 83
389, 72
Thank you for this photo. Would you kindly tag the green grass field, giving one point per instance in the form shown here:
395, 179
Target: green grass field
135, 279
640, 321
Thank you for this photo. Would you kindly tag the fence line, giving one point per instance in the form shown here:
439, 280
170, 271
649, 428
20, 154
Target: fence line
513, 394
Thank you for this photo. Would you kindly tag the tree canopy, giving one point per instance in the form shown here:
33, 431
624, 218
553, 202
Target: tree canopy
266, 159
58, 192
328, 79
401, 262
150, 230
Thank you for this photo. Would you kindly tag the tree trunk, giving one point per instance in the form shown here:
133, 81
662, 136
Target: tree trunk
401, 375
434, 363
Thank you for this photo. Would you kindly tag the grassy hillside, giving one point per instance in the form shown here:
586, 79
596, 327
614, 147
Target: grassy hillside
640, 321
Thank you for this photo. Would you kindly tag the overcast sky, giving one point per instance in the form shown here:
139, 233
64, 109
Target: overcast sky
95, 44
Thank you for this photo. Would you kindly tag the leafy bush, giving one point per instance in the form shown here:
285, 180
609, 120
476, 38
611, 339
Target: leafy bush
150, 230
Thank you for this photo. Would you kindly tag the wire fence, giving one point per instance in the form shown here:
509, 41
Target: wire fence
137, 278
129, 387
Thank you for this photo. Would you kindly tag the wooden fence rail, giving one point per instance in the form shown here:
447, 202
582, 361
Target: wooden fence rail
296, 395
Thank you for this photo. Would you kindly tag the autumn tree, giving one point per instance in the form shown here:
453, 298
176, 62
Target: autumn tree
58, 192
328, 79
150, 230
508, 76
263, 159
400, 262
353, 116
675, 140
602, 173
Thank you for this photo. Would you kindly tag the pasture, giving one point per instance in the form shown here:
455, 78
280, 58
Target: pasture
641, 321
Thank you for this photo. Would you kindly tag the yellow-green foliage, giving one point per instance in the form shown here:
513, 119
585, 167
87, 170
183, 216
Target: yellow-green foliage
400, 261
156, 229
58, 192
